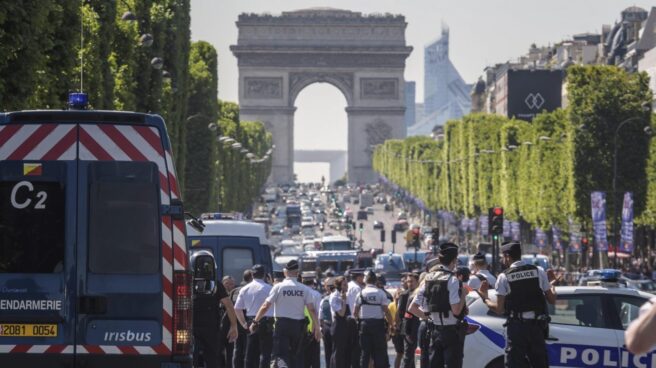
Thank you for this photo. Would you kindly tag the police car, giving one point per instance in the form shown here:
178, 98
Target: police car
93, 259
587, 329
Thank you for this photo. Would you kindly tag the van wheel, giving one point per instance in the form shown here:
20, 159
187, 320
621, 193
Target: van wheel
496, 363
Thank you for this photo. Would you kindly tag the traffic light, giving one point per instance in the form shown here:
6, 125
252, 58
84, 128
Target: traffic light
393, 237
382, 236
495, 221
435, 236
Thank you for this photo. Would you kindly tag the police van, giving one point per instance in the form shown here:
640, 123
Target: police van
93, 259
586, 330
236, 244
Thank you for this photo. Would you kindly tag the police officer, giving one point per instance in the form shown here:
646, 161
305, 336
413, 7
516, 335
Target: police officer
250, 299
208, 296
312, 348
371, 310
289, 300
443, 295
236, 351
522, 292
354, 288
481, 272
339, 330
325, 316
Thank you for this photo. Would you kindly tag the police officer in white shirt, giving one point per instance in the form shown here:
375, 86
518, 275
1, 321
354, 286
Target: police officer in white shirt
523, 291
354, 288
312, 347
443, 295
250, 299
371, 310
289, 300
339, 329
482, 272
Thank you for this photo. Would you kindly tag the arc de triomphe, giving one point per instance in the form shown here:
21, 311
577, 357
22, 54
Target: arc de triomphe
362, 55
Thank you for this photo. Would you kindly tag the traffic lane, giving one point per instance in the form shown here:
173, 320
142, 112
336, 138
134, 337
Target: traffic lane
371, 236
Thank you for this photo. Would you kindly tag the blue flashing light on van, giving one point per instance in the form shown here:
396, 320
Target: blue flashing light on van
93, 257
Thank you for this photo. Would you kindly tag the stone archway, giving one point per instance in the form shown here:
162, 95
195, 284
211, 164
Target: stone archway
362, 55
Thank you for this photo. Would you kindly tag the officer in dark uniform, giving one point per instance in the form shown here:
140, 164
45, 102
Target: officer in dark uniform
250, 299
339, 329
289, 300
208, 296
372, 312
443, 295
236, 351
522, 292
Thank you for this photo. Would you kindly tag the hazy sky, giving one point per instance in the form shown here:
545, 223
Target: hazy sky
483, 32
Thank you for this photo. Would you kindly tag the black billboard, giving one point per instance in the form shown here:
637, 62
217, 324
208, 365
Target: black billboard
530, 92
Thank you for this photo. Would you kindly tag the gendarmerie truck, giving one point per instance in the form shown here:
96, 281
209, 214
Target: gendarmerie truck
93, 258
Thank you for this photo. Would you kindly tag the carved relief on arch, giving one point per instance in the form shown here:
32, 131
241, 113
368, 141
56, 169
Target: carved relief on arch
343, 81
377, 132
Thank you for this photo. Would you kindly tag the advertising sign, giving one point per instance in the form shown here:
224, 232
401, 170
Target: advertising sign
484, 225
626, 244
555, 239
540, 238
598, 204
574, 237
530, 92
506, 229
514, 230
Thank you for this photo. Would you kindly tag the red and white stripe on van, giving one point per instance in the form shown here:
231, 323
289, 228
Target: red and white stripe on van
108, 142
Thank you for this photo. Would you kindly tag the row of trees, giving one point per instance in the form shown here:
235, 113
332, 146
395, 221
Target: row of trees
540, 172
137, 56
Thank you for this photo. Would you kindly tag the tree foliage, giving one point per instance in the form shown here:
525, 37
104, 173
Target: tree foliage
540, 172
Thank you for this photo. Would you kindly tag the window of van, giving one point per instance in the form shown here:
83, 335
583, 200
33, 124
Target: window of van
32, 225
124, 222
235, 261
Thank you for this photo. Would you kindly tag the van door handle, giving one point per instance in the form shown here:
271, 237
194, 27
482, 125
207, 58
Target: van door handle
551, 338
92, 304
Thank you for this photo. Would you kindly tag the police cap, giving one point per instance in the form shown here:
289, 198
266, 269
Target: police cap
512, 248
309, 275
356, 272
292, 265
447, 249
479, 257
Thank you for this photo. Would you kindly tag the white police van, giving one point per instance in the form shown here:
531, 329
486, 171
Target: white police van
93, 260
587, 329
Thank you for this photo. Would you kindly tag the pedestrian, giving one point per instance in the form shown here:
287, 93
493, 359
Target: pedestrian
208, 297
354, 288
523, 291
640, 337
250, 299
423, 332
409, 326
444, 297
325, 317
289, 300
312, 348
371, 310
236, 351
481, 272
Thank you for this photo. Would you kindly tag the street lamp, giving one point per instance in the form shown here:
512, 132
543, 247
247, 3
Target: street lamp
647, 130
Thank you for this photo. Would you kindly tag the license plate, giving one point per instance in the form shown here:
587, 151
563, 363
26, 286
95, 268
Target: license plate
27, 330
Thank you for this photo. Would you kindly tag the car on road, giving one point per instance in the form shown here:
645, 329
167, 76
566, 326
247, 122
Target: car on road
586, 330
379, 225
392, 266
370, 210
387, 207
362, 215
648, 286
